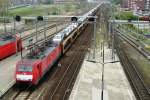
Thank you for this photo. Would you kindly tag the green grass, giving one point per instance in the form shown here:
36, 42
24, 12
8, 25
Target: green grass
144, 67
140, 62
125, 15
42, 10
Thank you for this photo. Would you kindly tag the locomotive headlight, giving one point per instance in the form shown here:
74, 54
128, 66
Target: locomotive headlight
17, 77
24, 77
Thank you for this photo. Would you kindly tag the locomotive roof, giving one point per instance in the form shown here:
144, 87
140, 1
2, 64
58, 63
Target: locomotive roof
41, 51
6, 38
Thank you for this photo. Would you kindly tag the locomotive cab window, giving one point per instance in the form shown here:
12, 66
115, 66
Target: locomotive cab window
6, 38
25, 68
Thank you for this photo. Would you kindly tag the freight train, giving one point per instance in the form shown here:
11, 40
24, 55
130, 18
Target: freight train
9, 44
41, 58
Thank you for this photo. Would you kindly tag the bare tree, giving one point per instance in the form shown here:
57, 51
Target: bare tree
4, 7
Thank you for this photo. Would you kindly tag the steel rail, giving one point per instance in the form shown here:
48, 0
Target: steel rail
21, 94
39, 31
136, 45
65, 73
66, 95
78, 58
136, 80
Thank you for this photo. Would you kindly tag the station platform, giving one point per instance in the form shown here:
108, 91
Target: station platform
88, 85
7, 73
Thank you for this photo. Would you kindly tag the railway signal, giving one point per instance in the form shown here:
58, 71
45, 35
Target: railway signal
40, 18
18, 18
91, 19
74, 19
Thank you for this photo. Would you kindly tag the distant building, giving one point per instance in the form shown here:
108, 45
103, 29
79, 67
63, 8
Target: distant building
147, 5
136, 4
124, 4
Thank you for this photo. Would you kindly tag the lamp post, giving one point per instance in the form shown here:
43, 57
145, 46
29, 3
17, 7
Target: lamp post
36, 30
94, 37
45, 33
14, 19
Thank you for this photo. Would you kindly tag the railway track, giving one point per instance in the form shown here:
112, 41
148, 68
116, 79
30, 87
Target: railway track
40, 34
40, 31
136, 81
23, 93
24, 29
20, 92
63, 88
135, 43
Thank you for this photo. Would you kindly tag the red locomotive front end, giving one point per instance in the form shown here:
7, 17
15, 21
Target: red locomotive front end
27, 72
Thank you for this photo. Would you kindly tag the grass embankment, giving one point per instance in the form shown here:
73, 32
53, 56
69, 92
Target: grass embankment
145, 69
142, 64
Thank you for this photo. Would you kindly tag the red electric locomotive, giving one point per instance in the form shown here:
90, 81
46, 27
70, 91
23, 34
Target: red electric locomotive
35, 64
9, 44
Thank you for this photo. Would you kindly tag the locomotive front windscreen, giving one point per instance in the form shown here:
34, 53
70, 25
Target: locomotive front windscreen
25, 69
6, 38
